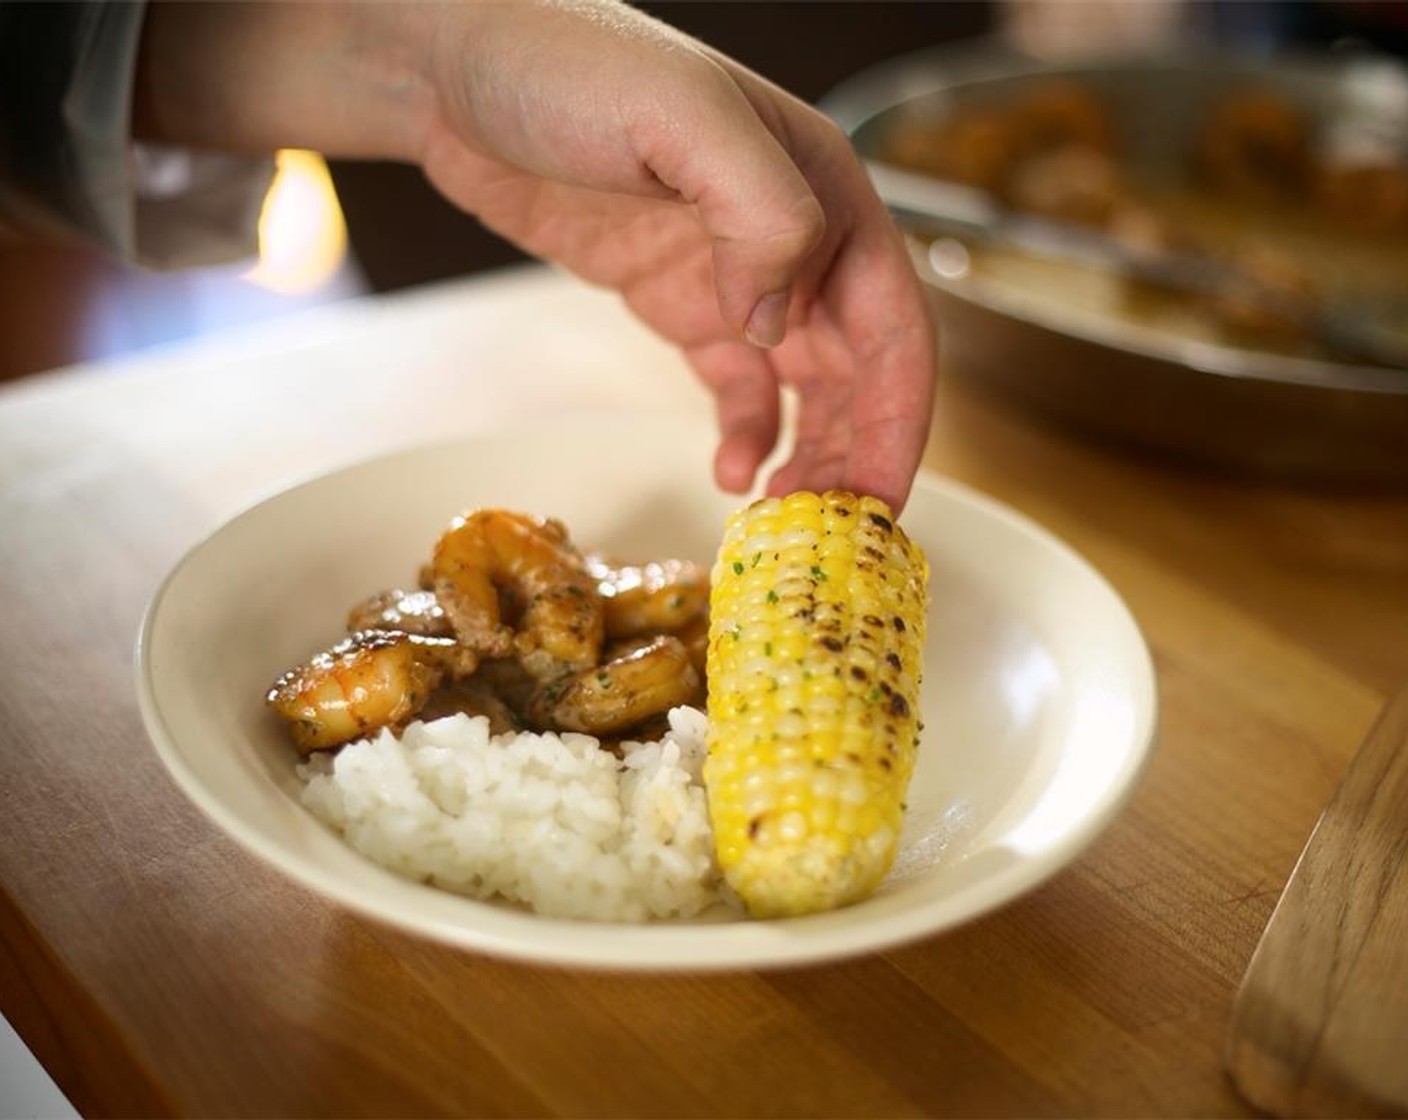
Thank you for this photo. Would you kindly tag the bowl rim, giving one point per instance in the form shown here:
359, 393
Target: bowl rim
655, 947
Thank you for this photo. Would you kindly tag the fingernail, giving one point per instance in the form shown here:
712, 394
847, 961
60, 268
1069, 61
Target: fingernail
768, 322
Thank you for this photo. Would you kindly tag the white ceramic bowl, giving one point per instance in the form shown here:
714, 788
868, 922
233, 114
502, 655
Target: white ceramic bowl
1039, 696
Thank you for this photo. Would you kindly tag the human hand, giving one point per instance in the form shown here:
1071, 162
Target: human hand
734, 219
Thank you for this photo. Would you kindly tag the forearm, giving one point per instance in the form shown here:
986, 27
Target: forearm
343, 79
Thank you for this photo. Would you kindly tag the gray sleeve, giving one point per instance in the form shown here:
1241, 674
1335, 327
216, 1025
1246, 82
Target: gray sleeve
69, 168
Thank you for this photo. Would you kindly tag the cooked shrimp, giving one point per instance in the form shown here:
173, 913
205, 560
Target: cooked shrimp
473, 697
1277, 275
1061, 113
1367, 198
370, 680
1071, 184
974, 145
978, 147
619, 693
493, 559
659, 597
1256, 145
695, 637
411, 612
414, 612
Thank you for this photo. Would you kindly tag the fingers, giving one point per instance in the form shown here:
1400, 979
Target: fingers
879, 459
603, 97
590, 124
756, 207
865, 376
892, 410
861, 352
747, 404
882, 463
861, 359
861, 424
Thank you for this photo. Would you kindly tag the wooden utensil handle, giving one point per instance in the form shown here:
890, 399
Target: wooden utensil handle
1321, 1020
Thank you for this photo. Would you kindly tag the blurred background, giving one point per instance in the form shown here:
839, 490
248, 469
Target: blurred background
333, 231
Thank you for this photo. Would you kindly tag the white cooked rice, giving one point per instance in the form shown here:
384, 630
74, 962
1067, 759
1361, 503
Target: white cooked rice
551, 821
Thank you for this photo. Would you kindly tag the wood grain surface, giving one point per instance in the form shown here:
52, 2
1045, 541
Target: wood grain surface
1320, 1020
157, 969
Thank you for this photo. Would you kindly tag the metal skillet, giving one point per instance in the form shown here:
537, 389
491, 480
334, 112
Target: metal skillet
1105, 374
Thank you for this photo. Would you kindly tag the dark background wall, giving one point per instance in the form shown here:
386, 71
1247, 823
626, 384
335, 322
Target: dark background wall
403, 233
65, 303
60, 304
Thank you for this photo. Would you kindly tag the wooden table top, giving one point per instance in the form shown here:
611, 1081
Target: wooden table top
156, 968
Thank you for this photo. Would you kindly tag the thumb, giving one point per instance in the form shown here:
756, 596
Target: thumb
761, 216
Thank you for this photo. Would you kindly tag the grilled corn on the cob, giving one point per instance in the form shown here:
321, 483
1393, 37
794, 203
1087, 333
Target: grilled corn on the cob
817, 616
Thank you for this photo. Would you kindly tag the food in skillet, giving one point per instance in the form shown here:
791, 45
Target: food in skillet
1299, 209
1256, 145
583, 790
1260, 146
991, 145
